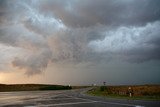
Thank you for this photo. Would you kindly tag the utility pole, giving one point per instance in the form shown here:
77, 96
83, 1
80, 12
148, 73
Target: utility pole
104, 83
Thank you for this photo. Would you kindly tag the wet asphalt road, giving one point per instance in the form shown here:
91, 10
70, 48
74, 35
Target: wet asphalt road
69, 98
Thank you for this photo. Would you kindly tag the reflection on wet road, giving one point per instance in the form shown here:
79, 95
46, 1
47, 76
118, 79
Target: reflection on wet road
25, 97
68, 98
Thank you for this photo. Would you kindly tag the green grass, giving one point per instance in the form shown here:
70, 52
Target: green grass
103, 93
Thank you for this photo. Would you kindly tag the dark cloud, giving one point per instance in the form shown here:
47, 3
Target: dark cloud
108, 12
17, 36
134, 44
34, 64
80, 31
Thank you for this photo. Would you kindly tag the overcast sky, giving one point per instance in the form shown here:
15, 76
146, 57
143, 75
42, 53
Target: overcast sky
80, 42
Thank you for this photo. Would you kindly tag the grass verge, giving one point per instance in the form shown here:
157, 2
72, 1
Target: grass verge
98, 92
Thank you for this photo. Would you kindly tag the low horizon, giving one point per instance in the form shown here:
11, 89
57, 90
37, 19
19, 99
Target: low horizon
80, 42
81, 84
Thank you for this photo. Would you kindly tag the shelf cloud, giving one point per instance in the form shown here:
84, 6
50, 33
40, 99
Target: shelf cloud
78, 31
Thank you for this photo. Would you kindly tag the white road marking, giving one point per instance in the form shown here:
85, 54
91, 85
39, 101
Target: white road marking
29, 106
79, 98
123, 104
85, 101
75, 103
61, 104
64, 99
139, 106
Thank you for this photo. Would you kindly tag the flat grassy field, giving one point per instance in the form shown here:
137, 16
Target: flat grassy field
146, 92
31, 87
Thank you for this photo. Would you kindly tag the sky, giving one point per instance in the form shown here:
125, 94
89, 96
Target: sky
80, 42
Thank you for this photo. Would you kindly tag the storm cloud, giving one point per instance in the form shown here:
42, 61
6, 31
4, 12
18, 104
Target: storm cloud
79, 31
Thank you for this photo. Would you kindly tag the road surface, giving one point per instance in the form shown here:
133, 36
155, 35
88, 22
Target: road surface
68, 98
